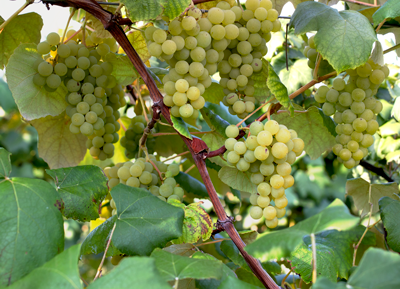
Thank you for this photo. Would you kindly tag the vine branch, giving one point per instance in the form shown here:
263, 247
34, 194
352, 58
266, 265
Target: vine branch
379, 171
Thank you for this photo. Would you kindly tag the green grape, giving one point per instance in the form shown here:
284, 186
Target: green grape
99, 125
78, 74
39, 80
43, 47
53, 81
372, 126
264, 138
256, 64
89, 99
264, 189
360, 124
215, 15
357, 107
235, 60
378, 107
345, 99
350, 163
276, 181
45, 68
261, 153
233, 157
231, 31
279, 150
82, 107
243, 34
193, 93
332, 95
232, 131
179, 98
272, 126
328, 108
240, 148
107, 68
86, 129
196, 69
63, 50
186, 110
363, 83
255, 40
345, 154
60, 69
263, 201
181, 85
91, 117
348, 116
230, 143
198, 54
358, 94
256, 212
239, 107
217, 32
249, 156
244, 48
77, 119
242, 165
283, 135
166, 190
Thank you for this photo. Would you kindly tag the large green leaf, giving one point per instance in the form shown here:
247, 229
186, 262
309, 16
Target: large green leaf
234, 283
31, 227
61, 272
179, 124
33, 102
390, 214
214, 121
134, 272
58, 146
376, 262
172, 8
325, 283
313, 127
237, 179
197, 224
172, 267
214, 93
343, 38
261, 90
96, 241
389, 10
24, 28
278, 89
334, 253
278, 244
123, 69
142, 9
82, 190
358, 189
191, 185
5, 163
141, 216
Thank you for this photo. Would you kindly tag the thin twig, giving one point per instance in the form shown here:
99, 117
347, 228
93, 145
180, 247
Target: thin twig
175, 133
315, 74
105, 253
149, 127
287, 47
212, 242
190, 168
142, 102
380, 25
176, 156
314, 258
26, 4
284, 278
122, 124
392, 48
73, 35
66, 26
84, 281
176, 283
258, 108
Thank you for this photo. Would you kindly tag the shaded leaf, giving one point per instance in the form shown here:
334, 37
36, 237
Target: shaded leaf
191, 185
173, 8
325, 283
234, 283
389, 10
123, 69
261, 90
222, 111
96, 24
142, 10
390, 214
214, 93
61, 272
214, 141
232, 252
7, 102
278, 244
377, 54
181, 249
58, 146
33, 101
5, 163
237, 179
140, 271
278, 89
142, 215
376, 262
82, 190
338, 33
248, 236
139, 43
313, 127
27, 29
214, 121
359, 188
172, 267
179, 124
31, 227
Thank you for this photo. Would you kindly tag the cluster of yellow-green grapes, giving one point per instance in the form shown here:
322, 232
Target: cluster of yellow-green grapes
94, 95
133, 135
268, 154
354, 108
228, 40
311, 53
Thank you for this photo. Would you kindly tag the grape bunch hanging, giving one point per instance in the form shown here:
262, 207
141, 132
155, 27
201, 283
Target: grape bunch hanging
196, 46
94, 95
267, 153
354, 109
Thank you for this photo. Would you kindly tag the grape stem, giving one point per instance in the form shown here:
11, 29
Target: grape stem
99, 270
196, 146
122, 124
68, 21
258, 108
315, 74
26, 4
392, 48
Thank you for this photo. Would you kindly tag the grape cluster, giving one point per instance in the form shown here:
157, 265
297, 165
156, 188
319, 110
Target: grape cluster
354, 109
268, 154
142, 174
94, 95
311, 53
228, 40
133, 135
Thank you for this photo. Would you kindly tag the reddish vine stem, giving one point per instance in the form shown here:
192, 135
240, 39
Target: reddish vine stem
196, 146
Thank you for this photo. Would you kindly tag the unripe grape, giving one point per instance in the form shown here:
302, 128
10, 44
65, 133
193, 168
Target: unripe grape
269, 213
256, 212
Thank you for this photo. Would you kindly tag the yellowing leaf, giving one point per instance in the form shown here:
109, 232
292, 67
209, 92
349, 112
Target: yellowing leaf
211, 4
58, 146
139, 43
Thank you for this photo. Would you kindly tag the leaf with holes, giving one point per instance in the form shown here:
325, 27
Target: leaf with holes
58, 146
390, 214
313, 127
197, 224
359, 188
343, 38
33, 101
237, 179
214, 93
82, 190
26, 26
179, 124
142, 215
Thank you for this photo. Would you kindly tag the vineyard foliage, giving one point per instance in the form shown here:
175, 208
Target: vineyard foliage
286, 127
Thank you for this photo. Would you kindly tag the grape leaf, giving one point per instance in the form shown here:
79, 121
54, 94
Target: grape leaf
248, 236
142, 9
33, 102
214, 121
31, 227
96, 24
142, 215
181, 127
334, 253
237, 179
234, 283
278, 89
376, 262
7, 102
325, 283
181, 249
139, 43
191, 185
137, 272
389, 10
61, 272
377, 54
261, 90
343, 38
5, 163
396, 109
173, 8
24, 28
232, 252
58, 146
279, 244
313, 127
214, 141
82, 190
222, 111
173, 267
359, 188
197, 224
390, 214
210, 4
214, 93
123, 69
